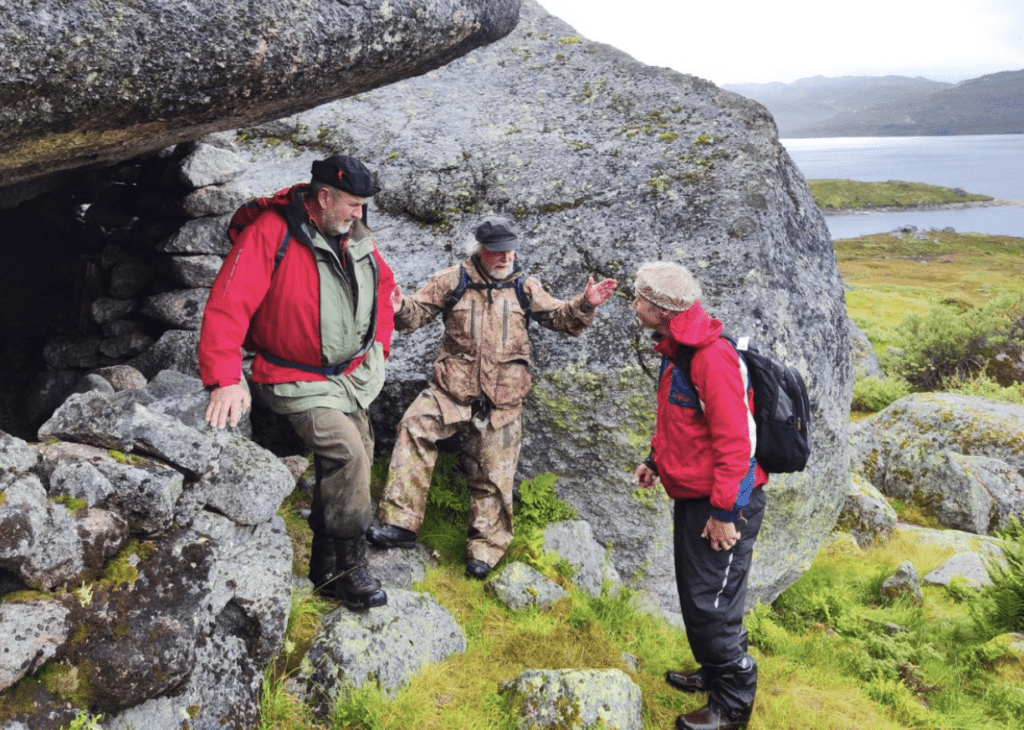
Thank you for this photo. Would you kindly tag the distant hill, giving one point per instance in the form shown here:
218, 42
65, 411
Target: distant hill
807, 103
877, 106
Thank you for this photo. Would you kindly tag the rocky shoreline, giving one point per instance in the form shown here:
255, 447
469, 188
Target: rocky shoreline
929, 206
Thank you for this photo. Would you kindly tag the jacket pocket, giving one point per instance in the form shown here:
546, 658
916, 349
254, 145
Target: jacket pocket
511, 384
460, 331
456, 374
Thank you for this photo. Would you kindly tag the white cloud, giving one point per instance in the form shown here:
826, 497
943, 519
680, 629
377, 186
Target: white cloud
734, 41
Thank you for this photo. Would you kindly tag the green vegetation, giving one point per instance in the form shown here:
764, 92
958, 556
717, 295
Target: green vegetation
845, 194
928, 666
871, 395
953, 342
832, 652
1004, 612
71, 504
944, 311
85, 721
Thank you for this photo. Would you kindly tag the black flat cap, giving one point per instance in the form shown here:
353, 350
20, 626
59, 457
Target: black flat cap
345, 173
497, 234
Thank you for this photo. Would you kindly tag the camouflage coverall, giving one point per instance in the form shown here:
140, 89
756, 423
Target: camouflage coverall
484, 360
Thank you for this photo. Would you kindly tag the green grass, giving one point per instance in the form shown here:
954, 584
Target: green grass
831, 654
889, 276
828, 653
846, 194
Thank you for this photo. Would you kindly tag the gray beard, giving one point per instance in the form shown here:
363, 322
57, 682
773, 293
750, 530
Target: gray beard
335, 230
502, 273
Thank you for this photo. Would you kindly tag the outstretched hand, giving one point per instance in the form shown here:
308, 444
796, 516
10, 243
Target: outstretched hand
396, 298
597, 294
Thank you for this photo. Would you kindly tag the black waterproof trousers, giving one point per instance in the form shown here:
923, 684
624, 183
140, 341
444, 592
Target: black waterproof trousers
712, 591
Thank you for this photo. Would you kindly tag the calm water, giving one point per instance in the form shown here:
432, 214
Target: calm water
987, 164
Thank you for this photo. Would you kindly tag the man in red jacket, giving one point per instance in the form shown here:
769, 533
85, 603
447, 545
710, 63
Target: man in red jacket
305, 288
703, 453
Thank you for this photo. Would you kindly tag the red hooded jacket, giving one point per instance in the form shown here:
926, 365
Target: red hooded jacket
703, 444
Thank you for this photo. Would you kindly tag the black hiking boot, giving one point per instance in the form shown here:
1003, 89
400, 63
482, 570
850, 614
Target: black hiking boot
321, 561
687, 681
708, 718
391, 536
352, 584
477, 569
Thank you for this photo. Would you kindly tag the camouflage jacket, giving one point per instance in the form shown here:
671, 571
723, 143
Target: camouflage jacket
485, 349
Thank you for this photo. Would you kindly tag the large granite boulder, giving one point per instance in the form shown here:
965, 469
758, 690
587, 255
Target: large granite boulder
957, 458
603, 163
98, 82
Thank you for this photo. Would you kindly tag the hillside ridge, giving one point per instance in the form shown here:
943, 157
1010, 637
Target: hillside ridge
892, 106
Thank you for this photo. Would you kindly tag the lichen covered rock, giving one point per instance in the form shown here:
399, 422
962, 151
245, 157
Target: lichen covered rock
576, 700
957, 458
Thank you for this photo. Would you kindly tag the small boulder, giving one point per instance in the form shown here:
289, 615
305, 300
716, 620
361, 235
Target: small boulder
209, 165
866, 514
574, 541
568, 698
519, 586
386, 646
33, 632
967, 566
903, 583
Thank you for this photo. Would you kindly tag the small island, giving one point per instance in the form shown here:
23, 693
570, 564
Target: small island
836, 197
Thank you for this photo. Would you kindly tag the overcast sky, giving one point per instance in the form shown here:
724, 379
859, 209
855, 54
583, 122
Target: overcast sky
737, 41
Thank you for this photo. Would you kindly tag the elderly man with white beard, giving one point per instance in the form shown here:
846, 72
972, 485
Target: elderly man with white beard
479, 381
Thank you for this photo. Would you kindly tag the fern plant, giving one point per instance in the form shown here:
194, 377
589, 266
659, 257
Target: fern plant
1000, 608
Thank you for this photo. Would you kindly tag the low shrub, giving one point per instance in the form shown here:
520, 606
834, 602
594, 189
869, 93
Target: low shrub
983, 386
955, 342
871, 394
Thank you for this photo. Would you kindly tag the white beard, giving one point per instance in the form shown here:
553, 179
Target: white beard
501, 272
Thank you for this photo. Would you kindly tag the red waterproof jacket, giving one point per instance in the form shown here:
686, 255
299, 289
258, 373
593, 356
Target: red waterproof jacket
276, 308
703, 445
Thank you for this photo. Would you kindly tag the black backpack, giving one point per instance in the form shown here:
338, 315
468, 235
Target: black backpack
782, 409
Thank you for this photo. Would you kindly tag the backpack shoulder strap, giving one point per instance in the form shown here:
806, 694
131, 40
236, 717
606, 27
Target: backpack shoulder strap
524, 298
456, 294
464, 283
283, 248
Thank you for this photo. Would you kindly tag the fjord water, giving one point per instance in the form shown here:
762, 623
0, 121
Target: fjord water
986, 164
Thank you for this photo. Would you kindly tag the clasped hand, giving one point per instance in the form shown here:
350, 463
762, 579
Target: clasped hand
721, 535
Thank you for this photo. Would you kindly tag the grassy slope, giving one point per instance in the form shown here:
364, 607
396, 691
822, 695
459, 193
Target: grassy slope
851, 194
827, 652
889, 276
